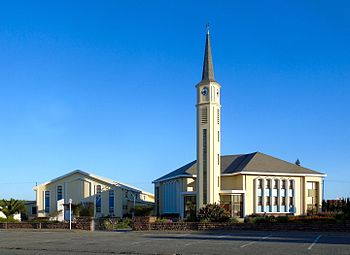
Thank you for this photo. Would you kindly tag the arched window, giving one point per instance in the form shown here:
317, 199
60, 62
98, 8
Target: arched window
47, 201
98, 198
111, 202
59, 192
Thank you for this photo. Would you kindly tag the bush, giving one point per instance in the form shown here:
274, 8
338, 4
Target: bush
213, 213
162, 220
122, 224
265, 219
282, 219
9, 220
83, 209
143, 210
234, 220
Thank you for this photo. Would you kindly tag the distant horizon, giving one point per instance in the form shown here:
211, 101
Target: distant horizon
110, 88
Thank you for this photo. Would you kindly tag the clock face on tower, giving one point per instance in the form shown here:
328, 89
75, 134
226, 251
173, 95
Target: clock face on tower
204, 91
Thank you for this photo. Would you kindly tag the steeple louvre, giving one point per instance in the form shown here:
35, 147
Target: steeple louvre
208, 70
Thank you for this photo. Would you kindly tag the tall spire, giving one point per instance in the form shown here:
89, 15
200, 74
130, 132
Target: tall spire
208, 70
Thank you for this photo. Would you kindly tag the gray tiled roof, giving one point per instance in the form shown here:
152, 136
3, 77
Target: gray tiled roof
245, 163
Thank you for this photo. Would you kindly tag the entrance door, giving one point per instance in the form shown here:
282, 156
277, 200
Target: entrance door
233, 203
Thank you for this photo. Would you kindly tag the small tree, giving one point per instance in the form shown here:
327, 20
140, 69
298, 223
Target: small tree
213, 213
10, 207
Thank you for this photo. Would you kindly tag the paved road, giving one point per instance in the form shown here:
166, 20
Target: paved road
239, 242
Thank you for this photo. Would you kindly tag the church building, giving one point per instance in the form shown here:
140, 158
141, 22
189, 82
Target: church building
243, 184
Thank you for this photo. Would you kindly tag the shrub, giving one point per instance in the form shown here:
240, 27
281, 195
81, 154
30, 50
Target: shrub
143, 210
162, 220
213, 213
122, 224
282, 219
265, 219
83, 209
9, 220
234, 220
87, 209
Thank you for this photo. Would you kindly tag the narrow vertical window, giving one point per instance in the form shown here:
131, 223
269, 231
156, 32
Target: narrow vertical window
291, 184
59, 193
275, 199
268, 201
283, 184
111, 202
98, 198
204, 166
157, 200
268, 184
218, 159
218, 116
218, 136
283, 202
47, 201
275, 184
218, 181
260, 184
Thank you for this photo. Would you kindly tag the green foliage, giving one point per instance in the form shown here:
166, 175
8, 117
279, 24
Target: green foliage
213, 213
87, 209
341, 207
282, 219
123, 224
83, 209
265, 219
234, 220
143, 210
163, 220
115, 223
9, 220
10, 207
327, 218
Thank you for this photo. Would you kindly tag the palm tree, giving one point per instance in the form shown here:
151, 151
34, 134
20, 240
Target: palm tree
10, 207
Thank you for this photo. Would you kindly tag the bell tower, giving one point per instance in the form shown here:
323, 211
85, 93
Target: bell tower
208, 133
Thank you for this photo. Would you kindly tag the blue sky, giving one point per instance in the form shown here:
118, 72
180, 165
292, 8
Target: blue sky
108, 87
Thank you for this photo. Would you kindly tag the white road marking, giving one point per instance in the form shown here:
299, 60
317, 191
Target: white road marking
250, 243
315, 241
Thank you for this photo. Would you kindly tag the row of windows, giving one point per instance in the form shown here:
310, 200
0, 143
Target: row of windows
275, 184
98, 199
274, 201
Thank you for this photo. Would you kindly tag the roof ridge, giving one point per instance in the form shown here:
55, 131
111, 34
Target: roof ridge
285, 161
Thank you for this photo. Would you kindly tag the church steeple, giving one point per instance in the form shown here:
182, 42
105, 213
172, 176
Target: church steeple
208, 134
208, 70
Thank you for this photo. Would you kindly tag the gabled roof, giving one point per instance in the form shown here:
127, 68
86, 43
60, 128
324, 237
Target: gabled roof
102, 179
252, 163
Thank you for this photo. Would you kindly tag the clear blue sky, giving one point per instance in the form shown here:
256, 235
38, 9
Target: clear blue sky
108, 87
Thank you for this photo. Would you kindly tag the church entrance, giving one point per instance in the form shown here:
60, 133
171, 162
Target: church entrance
233, 203
189, 206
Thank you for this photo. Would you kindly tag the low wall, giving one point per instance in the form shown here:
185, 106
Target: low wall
142, 225
80, 223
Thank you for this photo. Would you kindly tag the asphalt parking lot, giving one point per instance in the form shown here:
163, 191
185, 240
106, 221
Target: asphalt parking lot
156, 242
